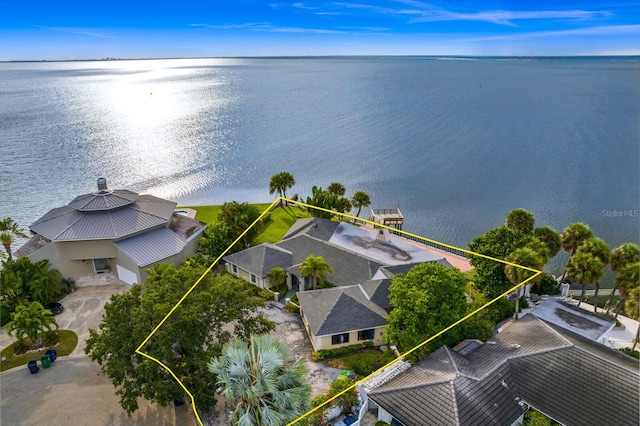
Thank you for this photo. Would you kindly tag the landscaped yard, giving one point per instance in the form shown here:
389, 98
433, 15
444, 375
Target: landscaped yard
280, 220
68, 342
364, 362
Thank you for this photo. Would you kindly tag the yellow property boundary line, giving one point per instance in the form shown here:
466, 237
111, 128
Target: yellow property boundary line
298, 203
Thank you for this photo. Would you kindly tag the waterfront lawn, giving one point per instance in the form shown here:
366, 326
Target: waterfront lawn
209, 214
279, 222
68, 342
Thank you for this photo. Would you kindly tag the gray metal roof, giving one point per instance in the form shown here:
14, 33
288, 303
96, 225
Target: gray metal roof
566, 376
339, 310
103, 200
259, 260
152, 246
69, 224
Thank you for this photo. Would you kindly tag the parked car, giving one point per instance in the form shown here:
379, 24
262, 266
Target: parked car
55, 308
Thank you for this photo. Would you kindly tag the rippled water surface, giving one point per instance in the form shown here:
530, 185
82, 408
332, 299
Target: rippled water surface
456, 144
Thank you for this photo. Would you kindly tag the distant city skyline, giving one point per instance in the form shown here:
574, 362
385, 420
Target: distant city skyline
68, 30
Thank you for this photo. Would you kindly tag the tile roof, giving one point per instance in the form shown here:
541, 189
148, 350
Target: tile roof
152, 246
321, 229
378, 292
348, 268
339, 310
259, 260
566, 376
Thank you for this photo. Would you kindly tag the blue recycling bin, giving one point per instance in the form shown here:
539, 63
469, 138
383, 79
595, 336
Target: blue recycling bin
52, 354
33, 367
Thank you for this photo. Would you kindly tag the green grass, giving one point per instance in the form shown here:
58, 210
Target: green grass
281, 219
68, 342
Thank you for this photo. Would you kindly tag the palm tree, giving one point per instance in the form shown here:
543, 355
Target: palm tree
277, 276
541, 248
600, 250
632, 307
571, 238
628, 278
520, 220
359, 200
260, 383
585, 269
30, 321
336, 188
524, 257
550, 237
315, 267
620, 257
8, 232
280, 183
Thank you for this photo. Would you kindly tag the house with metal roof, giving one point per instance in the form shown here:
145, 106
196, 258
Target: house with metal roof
112, 232
531, 364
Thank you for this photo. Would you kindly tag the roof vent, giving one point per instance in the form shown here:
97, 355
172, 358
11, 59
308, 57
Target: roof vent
102, 184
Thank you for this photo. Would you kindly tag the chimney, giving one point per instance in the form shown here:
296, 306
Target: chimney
102, 184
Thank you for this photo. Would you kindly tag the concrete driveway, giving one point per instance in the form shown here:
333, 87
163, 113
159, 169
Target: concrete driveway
83, 309
71, 392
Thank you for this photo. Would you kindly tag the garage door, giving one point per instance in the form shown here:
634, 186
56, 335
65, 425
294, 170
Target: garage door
126, 275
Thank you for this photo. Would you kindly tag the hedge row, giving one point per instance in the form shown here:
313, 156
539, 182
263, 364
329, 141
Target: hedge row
330, 353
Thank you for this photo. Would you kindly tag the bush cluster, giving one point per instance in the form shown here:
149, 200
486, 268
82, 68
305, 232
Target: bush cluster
50, 338
329, 353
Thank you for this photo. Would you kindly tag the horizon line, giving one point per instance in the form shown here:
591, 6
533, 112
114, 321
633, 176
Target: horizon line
355, 56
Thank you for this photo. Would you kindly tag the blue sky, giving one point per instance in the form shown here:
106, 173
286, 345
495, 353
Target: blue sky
71, 29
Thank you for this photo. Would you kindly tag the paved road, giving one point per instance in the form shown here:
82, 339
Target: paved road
71, 392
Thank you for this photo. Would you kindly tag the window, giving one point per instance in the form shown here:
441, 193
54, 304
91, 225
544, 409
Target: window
253, 278
366, 334
338, 339
235, 269
101, 265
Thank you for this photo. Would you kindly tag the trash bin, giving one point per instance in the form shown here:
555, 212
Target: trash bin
33, 367
52, 354
45, 361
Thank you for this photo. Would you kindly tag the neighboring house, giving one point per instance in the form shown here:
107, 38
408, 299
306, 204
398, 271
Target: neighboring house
567, 377
363, 262
112, 231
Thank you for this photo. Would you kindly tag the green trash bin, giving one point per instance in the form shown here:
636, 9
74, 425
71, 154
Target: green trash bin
45, 361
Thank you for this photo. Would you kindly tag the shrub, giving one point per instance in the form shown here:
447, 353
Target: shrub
546, 285
50, 338
381, 423
329, 353
365, 365
20, 347
502, 309
266, 294
5, 315
629, 352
